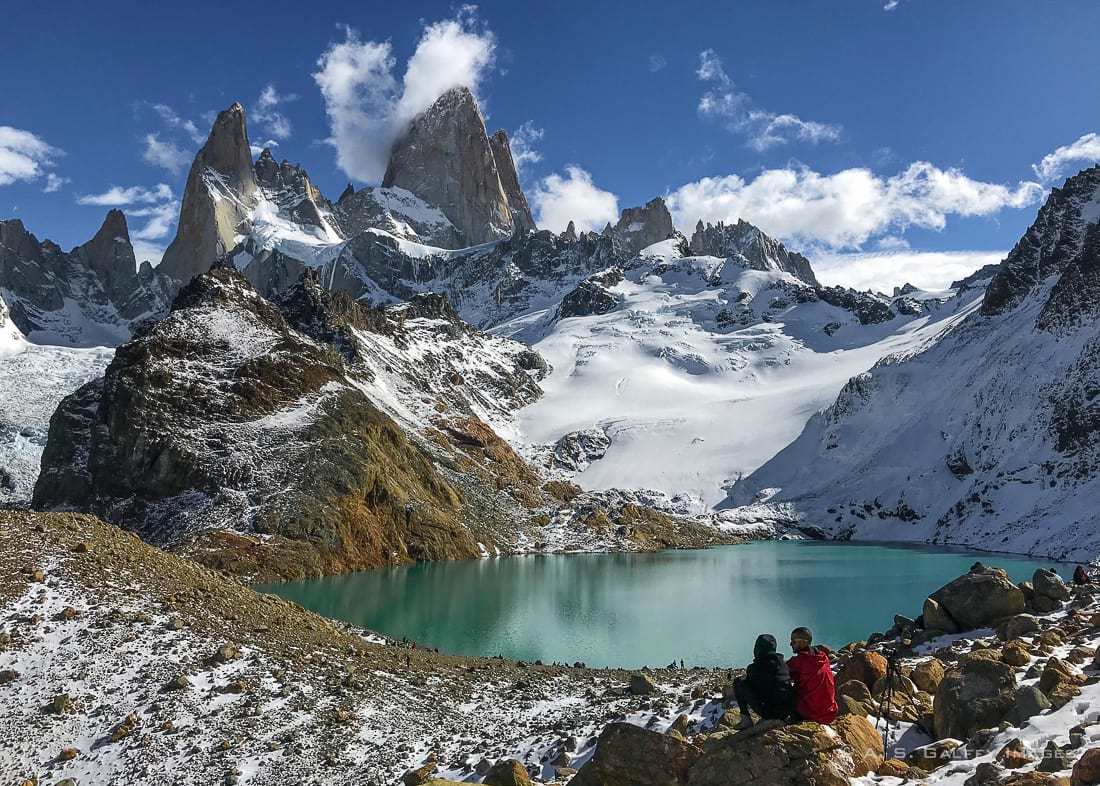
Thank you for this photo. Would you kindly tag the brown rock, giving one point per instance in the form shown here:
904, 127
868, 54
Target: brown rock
978, 693
1016, 653
1086, 772
507, 772
127, 727
68, 754
419, 775
866, 667
771, 754
929, 758
628, 755
893, 768
1013, 755
865, 742
927, 675
978, 598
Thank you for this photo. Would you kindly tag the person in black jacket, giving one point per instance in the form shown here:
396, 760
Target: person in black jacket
766, 688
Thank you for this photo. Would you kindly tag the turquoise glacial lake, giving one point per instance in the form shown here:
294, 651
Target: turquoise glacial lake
705, 607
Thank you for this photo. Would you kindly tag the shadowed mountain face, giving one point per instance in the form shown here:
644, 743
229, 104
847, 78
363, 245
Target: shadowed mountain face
91, 295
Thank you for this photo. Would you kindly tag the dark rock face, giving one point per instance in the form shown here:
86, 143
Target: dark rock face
978, 693
592, 296
220, 192
289, 187
1049, 245
101, 276
223, 419
639, 227
745, 242
445, 158
980, 597
868, 308
509, 180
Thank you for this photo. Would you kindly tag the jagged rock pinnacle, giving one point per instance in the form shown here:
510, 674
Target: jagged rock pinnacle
221, 189
509, 180
445, 158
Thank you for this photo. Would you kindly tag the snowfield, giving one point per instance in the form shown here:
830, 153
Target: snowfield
702, 372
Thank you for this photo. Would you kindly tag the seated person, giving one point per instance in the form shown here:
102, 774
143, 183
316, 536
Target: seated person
812, 674
766, 687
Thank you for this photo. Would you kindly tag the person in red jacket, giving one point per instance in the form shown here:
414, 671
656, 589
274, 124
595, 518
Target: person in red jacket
812, 674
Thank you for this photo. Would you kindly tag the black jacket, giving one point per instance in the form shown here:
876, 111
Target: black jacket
769, 679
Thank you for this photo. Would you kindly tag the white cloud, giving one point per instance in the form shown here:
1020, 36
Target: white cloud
882, 271
173, 120
166, 155
845, 209
1086, 150
24, 156
54, 182
157, 204
266, 114
144, 251
762, 128
161, 220
890, 5
558, 200
657, 62
116, 196
366, 105
523, 143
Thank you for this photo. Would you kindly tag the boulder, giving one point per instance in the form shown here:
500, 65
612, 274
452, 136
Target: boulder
936, 618
642, 684
929, 758
1086, 772
893, 768
1016, 653
1054, 759
1055, 672
771, 754
1049, 584
978, 598
1020, 625
928, 675
507, 772
856, 690
864, 741
628, 755
1013, 755
1029, 702
986, 774
978, 693
866, 667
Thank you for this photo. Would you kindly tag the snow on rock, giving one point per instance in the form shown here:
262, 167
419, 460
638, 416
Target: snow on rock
698, 369
986, 436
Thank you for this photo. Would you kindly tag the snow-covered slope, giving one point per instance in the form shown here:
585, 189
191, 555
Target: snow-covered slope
696, 369
33, 380
988, 437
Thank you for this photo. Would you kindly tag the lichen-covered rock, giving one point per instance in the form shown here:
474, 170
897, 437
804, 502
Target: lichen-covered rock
977, 693
771, 754
628, 755
864, 741
979, 597
867, 667
927, 675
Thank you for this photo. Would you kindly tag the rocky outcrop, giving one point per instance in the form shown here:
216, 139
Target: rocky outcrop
639, 227
445, 158
990, 434
223, 423
509, 180
978, 598
771, 754
592, 296
398, 212
744, 242
868, 308
289, 188
978, 693
218, 199
1050, 244
92, 295
628, 755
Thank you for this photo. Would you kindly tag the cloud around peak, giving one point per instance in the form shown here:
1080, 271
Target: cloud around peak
366, 104
559, 199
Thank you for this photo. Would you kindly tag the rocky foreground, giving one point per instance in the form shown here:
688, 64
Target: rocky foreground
123, 663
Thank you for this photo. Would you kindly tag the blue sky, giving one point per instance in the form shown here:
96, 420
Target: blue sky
883, 140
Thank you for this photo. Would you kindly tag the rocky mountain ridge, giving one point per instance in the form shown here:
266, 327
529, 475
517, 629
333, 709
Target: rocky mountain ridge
987, 435
93, 294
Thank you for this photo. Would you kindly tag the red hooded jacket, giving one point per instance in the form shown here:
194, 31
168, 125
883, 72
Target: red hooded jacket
814, 688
